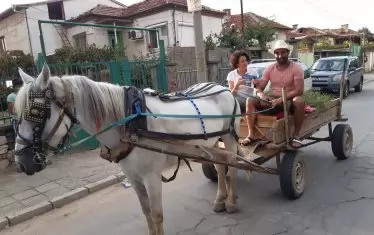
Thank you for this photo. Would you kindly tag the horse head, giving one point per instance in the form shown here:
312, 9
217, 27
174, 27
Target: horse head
44, 120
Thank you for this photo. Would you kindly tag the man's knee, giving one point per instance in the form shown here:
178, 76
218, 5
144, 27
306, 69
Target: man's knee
298, 101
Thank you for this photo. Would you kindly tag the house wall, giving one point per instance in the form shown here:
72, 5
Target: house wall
16, 33
139, 47
96, 36
179, 30
14, 30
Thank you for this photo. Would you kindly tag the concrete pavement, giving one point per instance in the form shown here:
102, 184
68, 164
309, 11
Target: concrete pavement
67, 173
339, 198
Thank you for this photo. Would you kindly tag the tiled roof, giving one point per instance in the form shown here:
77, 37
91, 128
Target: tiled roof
305, 32
138, 8
103, 10
309, 32
252, 18
342, 33
147, 5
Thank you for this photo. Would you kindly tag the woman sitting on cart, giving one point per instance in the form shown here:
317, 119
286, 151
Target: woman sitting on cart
240, 78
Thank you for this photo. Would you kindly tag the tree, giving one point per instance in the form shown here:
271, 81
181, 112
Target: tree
365, 30
261, 32
229, 38
258, 34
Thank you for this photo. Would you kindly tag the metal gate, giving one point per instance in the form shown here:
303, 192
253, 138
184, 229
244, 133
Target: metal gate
142, 74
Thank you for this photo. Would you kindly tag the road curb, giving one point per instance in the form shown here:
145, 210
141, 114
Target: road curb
58, 202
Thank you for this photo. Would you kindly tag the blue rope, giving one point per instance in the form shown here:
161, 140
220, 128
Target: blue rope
198, 112
125, 120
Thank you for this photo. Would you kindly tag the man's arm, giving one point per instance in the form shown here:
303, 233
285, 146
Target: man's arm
298, 79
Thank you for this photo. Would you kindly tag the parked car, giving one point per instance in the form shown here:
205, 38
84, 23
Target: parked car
255, 61
327, 72
305, 68
260, 68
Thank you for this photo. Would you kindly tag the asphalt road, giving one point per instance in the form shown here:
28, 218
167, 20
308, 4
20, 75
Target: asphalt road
338, 199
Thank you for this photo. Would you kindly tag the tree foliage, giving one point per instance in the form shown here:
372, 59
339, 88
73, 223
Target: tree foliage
258, 34
91, 53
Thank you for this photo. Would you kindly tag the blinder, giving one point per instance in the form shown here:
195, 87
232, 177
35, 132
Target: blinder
38, 113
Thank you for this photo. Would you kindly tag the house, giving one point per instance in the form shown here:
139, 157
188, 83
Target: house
19, 23
324, 42
251, 18
170, 17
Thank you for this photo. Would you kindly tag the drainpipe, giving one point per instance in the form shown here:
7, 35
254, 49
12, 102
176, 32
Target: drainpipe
28, 28
174, 27
28, 33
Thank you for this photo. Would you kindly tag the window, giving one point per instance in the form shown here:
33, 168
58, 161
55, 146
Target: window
154, 36
153, 39
80, 40
56, 11
353, 64
2, 44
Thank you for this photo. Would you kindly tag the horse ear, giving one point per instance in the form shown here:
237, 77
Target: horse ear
25, 77
43, 77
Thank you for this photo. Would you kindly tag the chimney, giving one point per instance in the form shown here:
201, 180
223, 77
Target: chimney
344, 28
227, 11
294, 26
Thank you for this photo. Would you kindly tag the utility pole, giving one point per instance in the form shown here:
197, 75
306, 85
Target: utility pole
242, 19
195, 7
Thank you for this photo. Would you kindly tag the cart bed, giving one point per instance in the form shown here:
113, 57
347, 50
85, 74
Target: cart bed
273, 130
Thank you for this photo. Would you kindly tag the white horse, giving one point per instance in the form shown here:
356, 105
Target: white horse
98, 104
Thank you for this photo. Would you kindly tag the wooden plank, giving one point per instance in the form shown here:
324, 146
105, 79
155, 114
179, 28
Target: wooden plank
194, 152
273, 128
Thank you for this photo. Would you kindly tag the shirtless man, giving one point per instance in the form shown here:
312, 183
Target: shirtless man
283, 73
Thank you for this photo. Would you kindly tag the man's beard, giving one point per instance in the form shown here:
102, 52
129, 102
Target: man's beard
282, 60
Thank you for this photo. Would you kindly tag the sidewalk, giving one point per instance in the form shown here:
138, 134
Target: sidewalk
66, 173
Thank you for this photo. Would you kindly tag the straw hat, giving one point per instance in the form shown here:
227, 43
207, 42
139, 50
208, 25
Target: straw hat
280, 44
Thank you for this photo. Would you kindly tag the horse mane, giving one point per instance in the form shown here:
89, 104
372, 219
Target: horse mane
99, 100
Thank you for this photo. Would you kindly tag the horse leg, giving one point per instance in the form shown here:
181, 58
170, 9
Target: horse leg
231, 145
153, 185
219, 202
141, 191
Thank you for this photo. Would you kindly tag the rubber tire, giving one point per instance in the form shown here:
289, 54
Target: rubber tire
358, 88
286, 171
210, 171
344, 92
337, 141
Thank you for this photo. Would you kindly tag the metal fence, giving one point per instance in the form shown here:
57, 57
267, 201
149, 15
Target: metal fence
141, 74
187, 77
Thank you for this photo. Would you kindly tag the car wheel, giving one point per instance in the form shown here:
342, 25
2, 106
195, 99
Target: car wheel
359, 86
346, 90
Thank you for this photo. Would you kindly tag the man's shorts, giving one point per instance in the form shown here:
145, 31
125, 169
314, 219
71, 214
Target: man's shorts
272, 111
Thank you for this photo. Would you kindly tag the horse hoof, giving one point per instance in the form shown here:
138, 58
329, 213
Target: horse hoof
231, 208
219, 207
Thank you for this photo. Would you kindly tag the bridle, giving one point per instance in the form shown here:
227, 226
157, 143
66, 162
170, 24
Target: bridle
38, 113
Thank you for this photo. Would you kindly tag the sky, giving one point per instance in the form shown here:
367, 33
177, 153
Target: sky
306, 13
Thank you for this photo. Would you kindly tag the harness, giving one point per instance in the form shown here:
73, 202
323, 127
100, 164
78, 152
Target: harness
135, 127
38, 113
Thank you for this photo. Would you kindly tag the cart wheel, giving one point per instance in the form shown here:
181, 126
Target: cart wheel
292, 175
210, 171
342, 141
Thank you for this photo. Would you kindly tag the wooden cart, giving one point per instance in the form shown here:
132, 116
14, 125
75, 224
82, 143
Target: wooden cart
276, 135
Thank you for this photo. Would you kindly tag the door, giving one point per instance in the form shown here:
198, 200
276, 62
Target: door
112, 39
353, 74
